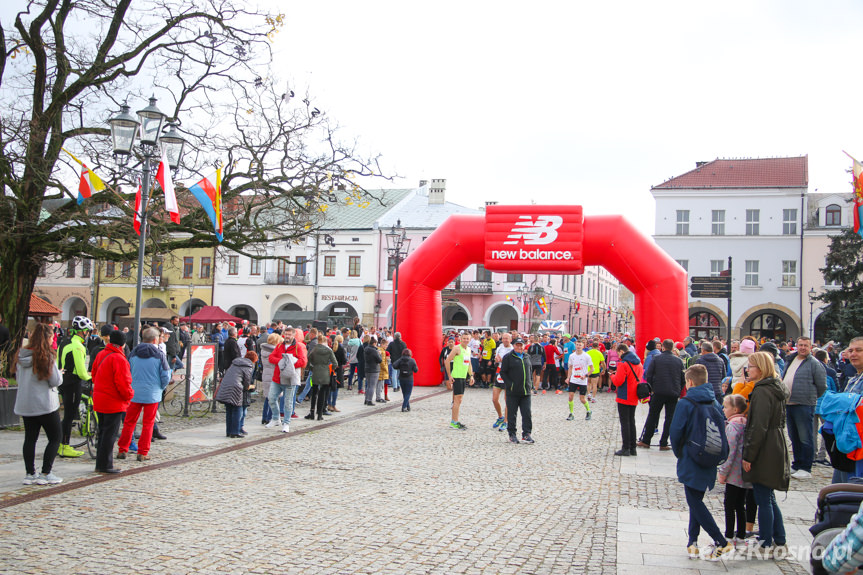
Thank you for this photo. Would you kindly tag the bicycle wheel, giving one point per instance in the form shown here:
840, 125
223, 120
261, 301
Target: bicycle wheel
201, 407
93, 436
172, 402
82, 426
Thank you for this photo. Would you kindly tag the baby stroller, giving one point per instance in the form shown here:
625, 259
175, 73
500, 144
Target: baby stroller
837, 503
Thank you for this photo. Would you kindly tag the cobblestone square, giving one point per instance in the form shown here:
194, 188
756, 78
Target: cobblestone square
374, 490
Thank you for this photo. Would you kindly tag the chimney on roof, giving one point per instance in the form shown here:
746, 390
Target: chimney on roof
699, 164
437, 191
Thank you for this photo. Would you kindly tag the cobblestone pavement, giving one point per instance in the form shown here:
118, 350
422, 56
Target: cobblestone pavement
383, 492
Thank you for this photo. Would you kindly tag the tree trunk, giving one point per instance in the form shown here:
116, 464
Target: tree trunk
21, 270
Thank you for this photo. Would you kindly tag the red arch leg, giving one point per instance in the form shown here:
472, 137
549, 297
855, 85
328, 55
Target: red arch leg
456, 244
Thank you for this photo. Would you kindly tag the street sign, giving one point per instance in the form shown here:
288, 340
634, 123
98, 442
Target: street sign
710, 294
717, 281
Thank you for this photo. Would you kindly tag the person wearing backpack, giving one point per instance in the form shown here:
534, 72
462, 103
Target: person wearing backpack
700, 445
765, 453
407, 367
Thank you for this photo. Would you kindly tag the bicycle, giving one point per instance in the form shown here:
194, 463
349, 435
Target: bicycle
172, 399
88, 424
200, 404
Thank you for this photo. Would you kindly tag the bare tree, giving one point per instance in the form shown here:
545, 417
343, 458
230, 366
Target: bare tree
66, 67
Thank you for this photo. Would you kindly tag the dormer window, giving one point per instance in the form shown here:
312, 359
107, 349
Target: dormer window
833, 215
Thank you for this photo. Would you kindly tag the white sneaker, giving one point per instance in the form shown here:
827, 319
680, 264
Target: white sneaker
273, 423
30, 479
49, 479
801, 474
286, 428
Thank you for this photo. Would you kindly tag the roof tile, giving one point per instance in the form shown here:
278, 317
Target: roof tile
745, 173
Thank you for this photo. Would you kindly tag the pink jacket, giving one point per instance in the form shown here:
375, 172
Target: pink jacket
732, 469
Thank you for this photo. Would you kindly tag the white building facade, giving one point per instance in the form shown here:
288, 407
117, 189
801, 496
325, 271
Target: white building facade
749, 210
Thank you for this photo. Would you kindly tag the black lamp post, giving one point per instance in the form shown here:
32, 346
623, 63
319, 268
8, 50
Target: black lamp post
147, 129
812, 295
397, 248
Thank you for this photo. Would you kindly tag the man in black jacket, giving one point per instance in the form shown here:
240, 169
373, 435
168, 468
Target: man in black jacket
232, 348
515, 370
396, 348
715, 368
665, 376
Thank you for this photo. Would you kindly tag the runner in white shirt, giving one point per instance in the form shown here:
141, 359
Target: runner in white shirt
580, 367
474, 346
502, 350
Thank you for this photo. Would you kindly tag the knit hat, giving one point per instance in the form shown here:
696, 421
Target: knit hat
747, 346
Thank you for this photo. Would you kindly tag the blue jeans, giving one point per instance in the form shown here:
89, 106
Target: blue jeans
800, 431
394, 382
306, 389
267, 414
286, 392
771, 528
243, 411
407, 388
699, 516
233, 416
840, 476
334, 395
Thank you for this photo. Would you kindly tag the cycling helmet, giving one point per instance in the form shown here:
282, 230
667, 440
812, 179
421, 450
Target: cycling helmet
82, 323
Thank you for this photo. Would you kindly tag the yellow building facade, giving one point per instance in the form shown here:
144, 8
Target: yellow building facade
178, 283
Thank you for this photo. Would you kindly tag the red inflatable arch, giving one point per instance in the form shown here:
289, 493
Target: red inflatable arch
537, 239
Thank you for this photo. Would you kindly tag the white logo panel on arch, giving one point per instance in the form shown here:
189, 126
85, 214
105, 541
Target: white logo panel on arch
530, 231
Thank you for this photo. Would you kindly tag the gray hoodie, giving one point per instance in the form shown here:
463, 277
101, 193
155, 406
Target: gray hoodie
35, 396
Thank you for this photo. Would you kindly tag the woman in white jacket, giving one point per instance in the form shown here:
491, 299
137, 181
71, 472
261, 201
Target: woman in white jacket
38, 403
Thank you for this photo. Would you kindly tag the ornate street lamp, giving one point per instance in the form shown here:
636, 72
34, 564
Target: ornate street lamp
397, 248
148, 129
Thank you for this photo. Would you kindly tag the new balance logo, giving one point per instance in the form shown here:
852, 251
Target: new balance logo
539, 232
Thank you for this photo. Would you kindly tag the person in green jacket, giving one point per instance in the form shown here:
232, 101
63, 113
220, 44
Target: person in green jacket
72, 358
322, 362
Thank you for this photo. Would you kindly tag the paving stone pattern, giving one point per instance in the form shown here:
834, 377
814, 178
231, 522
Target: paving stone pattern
389, 493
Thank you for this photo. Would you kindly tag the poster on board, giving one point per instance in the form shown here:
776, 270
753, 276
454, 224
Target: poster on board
202, 371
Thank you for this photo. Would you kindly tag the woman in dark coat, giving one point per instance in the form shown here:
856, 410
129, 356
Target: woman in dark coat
342, 360
235, 393
322, 362
765, 452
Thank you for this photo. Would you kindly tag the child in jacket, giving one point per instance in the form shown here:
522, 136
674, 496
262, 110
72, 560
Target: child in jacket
731, 472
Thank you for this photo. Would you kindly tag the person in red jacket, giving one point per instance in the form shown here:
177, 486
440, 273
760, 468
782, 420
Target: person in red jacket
292, 345
112, 392
629, 373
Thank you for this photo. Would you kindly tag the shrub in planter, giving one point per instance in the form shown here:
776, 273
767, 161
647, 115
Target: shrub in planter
8, 394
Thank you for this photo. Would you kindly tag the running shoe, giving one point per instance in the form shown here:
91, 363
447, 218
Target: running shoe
592, 400
558, 392
570, 417
693, 551
286, 428
502, 427
497, 423
527, 439
457, 425
716, 552
68, 451
543, 392
49, 479
513, 438
30, 478
587, 417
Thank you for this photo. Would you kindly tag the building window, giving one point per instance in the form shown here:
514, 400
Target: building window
85, 267
126, 269
768, 325
255, 269
833, 215
301, 265
188, 267
704, 325
684, 264
515, 278
789, 273
156, 266
110, 269
233, 265
70, 269
789, 222
717, 267
751, 273
482, 274
391, 268
718, 223
330, 266
682, 222
752, 220
354, 266
205, 268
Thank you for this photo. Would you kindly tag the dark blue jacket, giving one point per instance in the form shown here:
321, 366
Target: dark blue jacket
715, 370
690, 473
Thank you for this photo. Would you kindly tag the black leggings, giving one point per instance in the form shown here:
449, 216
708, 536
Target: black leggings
735, 508
71, 395
323, 394
50, 422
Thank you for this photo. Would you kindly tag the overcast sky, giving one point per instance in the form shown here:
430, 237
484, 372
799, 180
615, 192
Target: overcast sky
573, 102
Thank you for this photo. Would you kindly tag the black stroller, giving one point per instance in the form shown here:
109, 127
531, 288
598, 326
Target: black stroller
837, 503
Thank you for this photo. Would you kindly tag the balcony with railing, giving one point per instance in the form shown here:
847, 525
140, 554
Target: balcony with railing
285, 279
154, 281
459, 286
